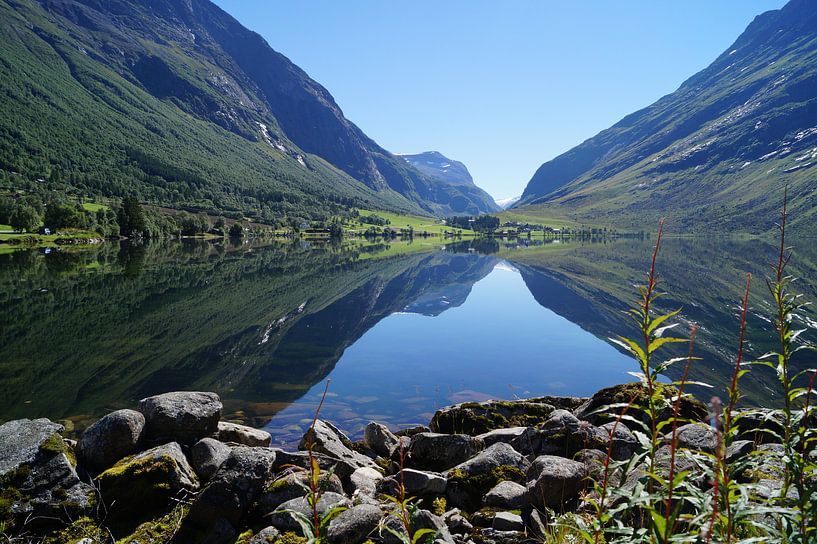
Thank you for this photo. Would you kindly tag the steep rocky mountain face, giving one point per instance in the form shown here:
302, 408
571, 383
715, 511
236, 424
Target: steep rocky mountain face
176, 101
715, 154
444, 170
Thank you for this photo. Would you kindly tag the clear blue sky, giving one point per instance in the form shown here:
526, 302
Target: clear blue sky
501, 86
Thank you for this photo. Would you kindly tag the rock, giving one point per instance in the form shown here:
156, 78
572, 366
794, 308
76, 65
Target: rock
489, 535
475, 418
554, 482
508, 521
241, 434
738, 449
327, 439
525, 440
625, 444
228, 496
380, 439
565, 435
592, 410
207, 455
510, 495
424, 519
286, 459
594, 461
411, 431
111, 438
500, 454
457, 523
354, 524
415, 482
144, 484
268, 535
538, 526
292, 485
182, 416
696, 437
759, 425
364, 481
283, 519
433, 451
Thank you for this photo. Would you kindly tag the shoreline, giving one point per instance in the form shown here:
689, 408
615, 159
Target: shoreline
173, 471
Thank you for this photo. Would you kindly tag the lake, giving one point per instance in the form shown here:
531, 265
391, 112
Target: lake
400, 329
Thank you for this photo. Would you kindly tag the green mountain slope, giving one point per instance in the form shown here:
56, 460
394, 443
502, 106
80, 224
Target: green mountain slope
716, 153
176, 101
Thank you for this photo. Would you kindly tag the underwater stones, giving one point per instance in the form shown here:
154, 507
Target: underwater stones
111, 438
181, 416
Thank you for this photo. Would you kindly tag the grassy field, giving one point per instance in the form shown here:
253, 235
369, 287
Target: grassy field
93, 206
417, 222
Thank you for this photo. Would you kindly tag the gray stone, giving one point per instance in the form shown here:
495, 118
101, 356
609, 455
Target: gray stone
525, 440
232, 490
241, 434
477, 418
380, 439
564, 434
508, 521
433, 451
697, 437
415, 482
268, 535
457, 523
284, 520
594, 460
354, 524
291, 485
364, 481
182, 416
207, 455
553, 482
22, 440
738, 449
327, 439
510, 495
111, 438
625, 444
497, 455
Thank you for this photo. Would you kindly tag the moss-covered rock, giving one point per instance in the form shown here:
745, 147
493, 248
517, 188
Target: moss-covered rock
475, 418
290, 538
77, 532
159, 531
465, 490
690, 408
140, 486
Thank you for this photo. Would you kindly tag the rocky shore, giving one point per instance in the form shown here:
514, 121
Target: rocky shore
173, 471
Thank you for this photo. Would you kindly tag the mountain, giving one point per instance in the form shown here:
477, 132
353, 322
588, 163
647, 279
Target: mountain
506, 203
175, 101
439, 167
714, 154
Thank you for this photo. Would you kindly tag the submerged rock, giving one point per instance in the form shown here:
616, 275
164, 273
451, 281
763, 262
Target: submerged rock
181, 416
111, 438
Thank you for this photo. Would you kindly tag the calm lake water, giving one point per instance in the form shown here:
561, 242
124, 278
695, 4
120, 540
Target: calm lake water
400, 330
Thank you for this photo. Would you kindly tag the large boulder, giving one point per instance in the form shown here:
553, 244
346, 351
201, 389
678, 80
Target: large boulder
207, 455
111, 438
510, 495
696, 437
593, 410
475, 418
241, 434
380, 439
144, 484
555, 482
564, 434
38, 480
508, 521
284, 518
434, 451
226, 500
415, 483
327, 439
625, 444
363, 481
181, 416
354, 524
525, 440
291, 485
497, 455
